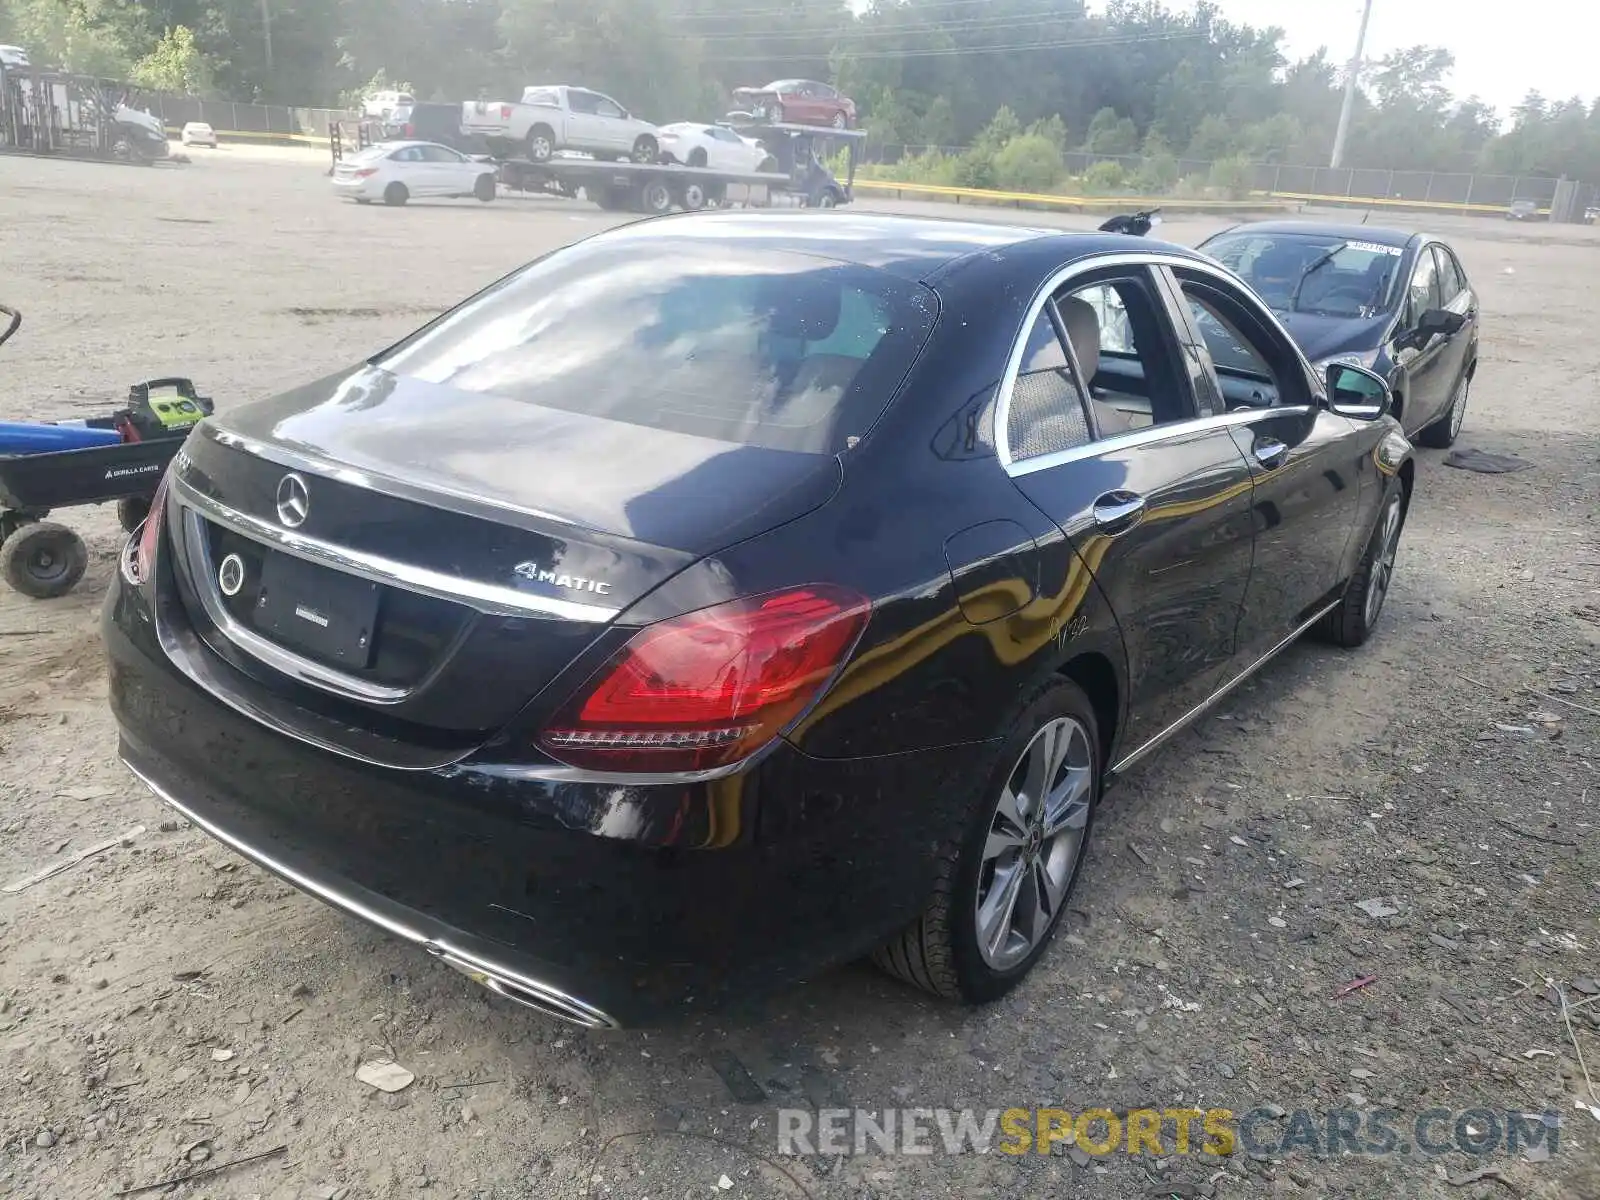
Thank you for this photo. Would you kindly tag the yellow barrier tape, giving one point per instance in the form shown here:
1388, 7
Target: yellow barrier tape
1397, 202
936, 189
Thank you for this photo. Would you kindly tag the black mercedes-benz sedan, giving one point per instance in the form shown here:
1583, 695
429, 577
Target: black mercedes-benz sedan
730, 595
1395, 302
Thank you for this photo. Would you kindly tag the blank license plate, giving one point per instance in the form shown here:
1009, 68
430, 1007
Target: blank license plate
327, 614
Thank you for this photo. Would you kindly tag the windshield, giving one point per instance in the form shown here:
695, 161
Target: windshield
741, 344
1313, 273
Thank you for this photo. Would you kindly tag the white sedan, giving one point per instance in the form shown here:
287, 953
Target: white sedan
395, 172
198, 133
714, 146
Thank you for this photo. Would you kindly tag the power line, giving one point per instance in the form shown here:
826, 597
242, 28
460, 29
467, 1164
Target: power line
978, 25
735, 14
954, 51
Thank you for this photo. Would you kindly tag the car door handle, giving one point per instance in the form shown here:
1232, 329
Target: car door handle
1118, 512
1270, 453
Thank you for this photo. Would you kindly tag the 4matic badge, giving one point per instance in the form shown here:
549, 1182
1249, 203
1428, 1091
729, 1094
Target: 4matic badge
535, 573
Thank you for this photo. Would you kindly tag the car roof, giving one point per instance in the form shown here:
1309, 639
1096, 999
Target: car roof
915, 248
1376, 234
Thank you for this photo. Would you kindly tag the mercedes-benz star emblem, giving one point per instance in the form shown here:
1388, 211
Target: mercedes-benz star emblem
294, 500
230, 575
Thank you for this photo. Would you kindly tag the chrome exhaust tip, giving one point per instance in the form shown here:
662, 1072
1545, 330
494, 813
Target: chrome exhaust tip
529, 993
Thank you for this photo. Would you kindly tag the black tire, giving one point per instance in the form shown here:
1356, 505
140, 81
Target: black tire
484, 188
645, 149
396, 194
655, 198
697, 157
43, 560
540, 145
828, 199
1352, 622
939, 951
840, 121
131, 513
1442, 434
692, 196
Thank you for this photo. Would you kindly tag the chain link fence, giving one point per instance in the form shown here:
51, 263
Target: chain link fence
1417, 187
251, 120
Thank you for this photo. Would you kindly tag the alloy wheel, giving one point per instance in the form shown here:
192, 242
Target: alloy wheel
1034, 843
1383, 561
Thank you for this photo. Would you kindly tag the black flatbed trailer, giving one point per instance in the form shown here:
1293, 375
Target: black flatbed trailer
634, 187
655, 188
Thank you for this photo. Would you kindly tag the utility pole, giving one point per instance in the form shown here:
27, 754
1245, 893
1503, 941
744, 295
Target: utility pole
266, 29
1352, 77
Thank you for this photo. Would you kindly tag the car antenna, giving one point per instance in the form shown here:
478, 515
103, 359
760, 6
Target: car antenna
1365, 215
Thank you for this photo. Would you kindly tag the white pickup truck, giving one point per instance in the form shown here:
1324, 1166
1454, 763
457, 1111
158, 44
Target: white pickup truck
548, 119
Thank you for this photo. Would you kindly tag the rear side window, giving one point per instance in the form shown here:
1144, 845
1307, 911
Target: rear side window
749, 346
1046, 413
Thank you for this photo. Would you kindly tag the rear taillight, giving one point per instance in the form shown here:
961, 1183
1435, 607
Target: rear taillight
366, 172
144, 560
411, 130
505, 112
710, 688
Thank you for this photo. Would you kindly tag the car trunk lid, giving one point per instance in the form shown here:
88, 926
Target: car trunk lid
425, 562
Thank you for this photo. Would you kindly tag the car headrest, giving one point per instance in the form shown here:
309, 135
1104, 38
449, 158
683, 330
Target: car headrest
1083, 328
802, 306
1278, 263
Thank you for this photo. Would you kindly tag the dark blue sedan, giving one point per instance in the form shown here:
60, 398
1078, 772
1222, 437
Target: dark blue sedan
1397, 303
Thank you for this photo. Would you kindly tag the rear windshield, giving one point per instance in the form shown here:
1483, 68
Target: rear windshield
738, 343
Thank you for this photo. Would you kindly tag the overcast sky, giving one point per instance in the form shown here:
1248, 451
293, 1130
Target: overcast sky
1501, 49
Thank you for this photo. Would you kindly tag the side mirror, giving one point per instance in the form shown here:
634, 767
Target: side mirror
1357, 393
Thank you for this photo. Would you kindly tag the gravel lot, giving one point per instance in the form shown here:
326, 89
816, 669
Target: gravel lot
165, 1008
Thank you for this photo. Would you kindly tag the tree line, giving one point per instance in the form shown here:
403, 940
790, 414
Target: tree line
1133, 78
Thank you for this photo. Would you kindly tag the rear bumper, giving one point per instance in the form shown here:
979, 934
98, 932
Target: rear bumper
354, 187
481, 962
598, 904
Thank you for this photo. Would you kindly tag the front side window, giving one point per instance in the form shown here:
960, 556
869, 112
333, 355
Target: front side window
606, 107
1423, 293
583, 102
743, 345
1252, 367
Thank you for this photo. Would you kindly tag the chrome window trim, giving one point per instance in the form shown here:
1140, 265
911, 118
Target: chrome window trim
489, 598
1148, 435
1052, 285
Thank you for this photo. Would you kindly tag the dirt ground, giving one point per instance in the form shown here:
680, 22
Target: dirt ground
166, 1008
